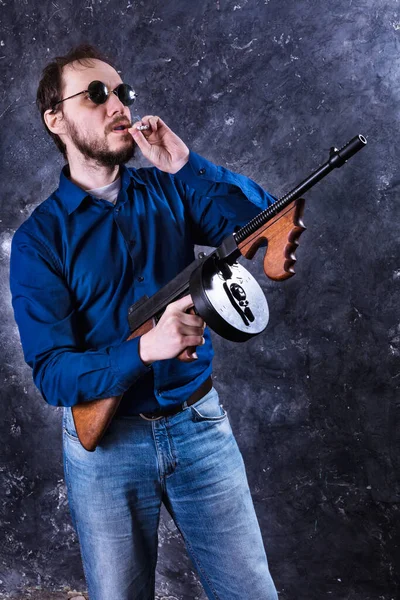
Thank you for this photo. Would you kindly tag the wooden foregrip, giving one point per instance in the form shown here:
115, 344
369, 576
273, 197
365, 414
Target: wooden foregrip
282, 234
92, 418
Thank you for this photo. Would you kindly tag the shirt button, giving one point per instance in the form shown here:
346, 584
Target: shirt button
202, 171
140, 279
117, 210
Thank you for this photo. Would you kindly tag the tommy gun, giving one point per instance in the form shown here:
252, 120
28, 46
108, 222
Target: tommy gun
224, 293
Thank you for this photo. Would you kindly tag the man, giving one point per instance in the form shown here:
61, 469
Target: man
107, 236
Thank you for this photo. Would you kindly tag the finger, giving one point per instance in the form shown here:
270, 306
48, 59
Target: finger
140, 139
194, 340
190, 330
188, 355
191, 320
140, 126
182, 304
150, 129
161, 123
191, 353
153, 122
146, 120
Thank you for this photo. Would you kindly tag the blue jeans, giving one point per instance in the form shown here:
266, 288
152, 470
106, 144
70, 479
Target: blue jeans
190, 462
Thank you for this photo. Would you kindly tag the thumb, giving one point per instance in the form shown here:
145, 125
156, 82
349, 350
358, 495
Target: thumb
141, 141
183, 303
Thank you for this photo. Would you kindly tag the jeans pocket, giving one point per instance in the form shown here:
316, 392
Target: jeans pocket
208, 408
69, 425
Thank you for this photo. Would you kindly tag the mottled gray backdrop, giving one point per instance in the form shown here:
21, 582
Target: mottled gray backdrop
264, 88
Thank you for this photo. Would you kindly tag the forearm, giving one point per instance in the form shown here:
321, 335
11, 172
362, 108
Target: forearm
69, 378
215, 181
217, 200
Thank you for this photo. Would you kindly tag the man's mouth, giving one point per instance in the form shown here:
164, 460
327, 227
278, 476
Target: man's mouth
121, 127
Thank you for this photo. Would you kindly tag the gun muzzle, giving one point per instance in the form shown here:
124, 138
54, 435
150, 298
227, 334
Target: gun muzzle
337, 158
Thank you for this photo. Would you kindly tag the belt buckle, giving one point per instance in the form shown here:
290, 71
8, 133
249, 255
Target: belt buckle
150, 418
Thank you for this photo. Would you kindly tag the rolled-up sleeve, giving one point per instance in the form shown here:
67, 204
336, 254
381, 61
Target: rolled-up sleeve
217, 200
64, 372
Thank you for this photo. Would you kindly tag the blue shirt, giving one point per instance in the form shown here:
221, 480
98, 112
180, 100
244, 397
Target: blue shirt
79, 262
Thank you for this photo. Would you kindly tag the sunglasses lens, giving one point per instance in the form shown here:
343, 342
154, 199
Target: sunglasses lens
98, 92
126, 94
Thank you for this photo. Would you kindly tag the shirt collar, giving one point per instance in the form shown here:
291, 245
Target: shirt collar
72, 195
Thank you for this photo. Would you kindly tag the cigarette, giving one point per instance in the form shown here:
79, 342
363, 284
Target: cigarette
139, 127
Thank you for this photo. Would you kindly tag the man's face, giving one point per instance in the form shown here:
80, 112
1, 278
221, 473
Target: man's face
89, 126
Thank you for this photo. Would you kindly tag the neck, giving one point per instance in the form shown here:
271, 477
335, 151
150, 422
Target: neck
88, 174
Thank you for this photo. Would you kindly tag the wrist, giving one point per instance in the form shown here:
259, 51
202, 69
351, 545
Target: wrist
181, 163
143, 352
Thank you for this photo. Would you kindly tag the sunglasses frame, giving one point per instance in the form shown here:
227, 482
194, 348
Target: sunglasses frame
115, 91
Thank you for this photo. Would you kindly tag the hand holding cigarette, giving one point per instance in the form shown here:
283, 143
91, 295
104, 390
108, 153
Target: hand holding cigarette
159, 144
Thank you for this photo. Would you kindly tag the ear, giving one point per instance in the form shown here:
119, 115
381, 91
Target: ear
54, 121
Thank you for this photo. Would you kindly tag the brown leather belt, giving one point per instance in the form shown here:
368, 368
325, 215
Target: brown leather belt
201, 391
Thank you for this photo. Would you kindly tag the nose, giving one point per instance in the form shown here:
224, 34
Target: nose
114, 105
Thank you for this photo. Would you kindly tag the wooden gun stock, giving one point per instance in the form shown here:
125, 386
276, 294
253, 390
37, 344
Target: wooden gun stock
92, 418
282, 234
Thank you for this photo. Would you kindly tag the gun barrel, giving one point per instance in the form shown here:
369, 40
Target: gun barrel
337, 158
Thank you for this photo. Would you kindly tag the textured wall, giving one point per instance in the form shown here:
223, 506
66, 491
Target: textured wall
263, 87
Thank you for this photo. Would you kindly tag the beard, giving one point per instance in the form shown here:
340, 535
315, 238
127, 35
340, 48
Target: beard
98, 150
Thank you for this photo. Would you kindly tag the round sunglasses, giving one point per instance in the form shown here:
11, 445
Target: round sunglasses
98, 93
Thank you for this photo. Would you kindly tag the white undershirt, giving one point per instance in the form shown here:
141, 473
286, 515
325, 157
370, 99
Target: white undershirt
108, 192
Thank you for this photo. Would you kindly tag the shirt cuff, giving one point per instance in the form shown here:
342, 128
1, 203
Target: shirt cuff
126, 361
198, 172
